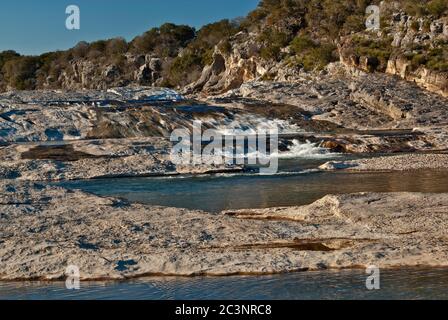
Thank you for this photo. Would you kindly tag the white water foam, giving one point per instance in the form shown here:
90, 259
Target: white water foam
306, 150
303, 150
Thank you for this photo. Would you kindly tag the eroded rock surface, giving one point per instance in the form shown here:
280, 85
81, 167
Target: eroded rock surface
89, 159
44, 229
364, 102
392, 163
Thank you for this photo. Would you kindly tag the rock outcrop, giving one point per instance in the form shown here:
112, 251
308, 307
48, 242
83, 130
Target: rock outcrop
92, 159
430, 80
84, 74
230, 70
401, 49
392, 163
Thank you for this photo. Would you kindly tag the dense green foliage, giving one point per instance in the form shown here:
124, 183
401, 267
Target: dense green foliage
431, 58
421, 8
312, 55
164, 41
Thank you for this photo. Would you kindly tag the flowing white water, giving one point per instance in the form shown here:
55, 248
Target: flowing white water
250, 125
298, 150
306, 150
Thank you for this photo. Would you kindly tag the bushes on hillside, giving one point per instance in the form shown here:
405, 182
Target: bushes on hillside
199, 52
437, 7
434, 59
273, 41
377, 49
425, 7
20, 72
312, 55
164, 41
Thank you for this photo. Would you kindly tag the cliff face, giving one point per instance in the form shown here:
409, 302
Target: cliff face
430, 80
229, 70
413, 48
86, 74
410, 45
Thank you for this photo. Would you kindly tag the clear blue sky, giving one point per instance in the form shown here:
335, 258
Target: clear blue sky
37, 26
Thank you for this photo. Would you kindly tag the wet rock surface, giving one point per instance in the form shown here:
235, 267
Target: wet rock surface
45, 229
362, 113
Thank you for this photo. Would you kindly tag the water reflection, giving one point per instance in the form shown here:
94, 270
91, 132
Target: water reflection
411, 283
252, 191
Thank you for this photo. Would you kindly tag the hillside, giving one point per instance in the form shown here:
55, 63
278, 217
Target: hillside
277, 41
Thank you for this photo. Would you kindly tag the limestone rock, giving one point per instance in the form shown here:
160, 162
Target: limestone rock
45, 229
392, 163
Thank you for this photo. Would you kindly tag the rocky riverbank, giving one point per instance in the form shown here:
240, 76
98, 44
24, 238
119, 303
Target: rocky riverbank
392, 163
92, 159
44, 229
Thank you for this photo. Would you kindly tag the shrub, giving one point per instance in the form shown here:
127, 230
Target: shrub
5, 56
211, 35
164, 41
437, 7
183, 68
273, 41
418, 60
20, 72
355, 23
380, 49
437, 59
317, 58
302, 43
311, 55
225, 47
414, 7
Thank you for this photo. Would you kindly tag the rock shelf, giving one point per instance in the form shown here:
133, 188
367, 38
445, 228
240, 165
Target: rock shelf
44, 229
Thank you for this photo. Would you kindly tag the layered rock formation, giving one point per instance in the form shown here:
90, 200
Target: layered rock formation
112, 158
401, 49
85, 74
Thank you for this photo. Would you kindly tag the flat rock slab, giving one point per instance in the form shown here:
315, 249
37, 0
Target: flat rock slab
392, 163
45, 229
92, 159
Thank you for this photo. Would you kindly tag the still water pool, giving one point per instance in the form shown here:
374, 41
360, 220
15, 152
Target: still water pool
294, 185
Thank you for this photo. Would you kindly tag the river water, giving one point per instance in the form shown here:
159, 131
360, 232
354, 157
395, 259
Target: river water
412, 283
295, 184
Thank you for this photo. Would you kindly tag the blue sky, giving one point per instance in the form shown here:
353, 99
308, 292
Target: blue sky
37, 26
